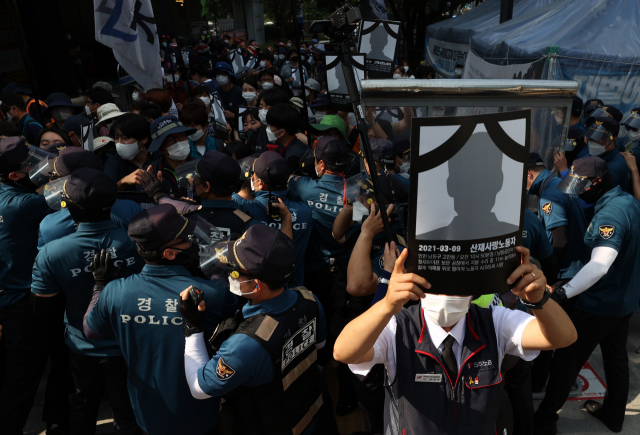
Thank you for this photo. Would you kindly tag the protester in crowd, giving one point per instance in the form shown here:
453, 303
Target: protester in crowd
405, 70
147, 109
73, 127
287, 70
194, 116
250, 89
95, 98
53, 139
160, 97
35, 108
200, 75
230, 94
283, 122
177, 89
60, 108
8, 129
15, 110
106, 115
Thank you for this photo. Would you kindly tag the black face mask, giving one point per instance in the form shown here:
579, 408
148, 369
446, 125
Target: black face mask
189, 258
596, 192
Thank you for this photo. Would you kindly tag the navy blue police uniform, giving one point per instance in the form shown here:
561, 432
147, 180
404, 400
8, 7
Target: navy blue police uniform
142, 312
63, 266
602, 312
21, 211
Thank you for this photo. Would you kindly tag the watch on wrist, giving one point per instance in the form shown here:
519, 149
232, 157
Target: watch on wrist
559, 295
538, 305
190, 330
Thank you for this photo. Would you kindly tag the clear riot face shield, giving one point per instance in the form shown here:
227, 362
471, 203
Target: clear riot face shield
218, 263
573, 183
55, 194
40, 164
360, 193
632, 122
597, 133
188, 177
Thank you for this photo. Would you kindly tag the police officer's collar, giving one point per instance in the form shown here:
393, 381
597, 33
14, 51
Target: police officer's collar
331, 177
616, 191
535, 186
278, 304
279, 193
96, 226
164, 270
219, 203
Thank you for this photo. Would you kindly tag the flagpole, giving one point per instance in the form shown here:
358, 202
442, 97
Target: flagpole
164, 24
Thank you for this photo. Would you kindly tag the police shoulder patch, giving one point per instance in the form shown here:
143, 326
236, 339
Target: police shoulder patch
224, 371
547, 207
606, 231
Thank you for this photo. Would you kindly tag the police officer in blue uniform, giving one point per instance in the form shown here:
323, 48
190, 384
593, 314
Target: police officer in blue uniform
535, 239
266, 369
562, 217
60, 223
384, 154
608, 292
142, 312
326, 197
62, 266
632, 124
601, 135
211, 181
449, 350
21, 211
269, 182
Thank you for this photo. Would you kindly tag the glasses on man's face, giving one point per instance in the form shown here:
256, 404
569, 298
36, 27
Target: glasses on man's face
175, 138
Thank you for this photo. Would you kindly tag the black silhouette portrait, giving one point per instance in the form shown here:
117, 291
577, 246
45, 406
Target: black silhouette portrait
379, 39
475, 179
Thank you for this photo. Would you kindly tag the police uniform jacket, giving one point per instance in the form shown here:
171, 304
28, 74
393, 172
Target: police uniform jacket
142, 312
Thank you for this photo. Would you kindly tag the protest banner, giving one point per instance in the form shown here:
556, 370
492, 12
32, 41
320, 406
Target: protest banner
378, 42
336, 82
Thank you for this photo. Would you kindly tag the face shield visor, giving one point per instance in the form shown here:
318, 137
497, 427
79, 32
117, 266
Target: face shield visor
589, 109
55, 194
597, 133
359, 193
246, 165
632, 122
599, 113
188, 177
570, 145
218, 263
39, 163
573, 183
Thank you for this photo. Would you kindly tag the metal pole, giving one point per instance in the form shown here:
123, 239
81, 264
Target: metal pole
164, 23
345, 59
506, 10
305, 114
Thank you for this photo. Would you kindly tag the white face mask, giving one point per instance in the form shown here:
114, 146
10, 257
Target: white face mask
307, 92
397, 76
406, 68
262, 114
315, 45
595, 149
404, 168
271, 136
318, 172
288, 44
459, 72
249, 96
234, 287
263, 64
222, 80
281, 56
319, 116
172, 78
179, 151
127, 151
135, 96
443, 310
303, 58
267, 85
197, 135
253, 186
634, 136
86, 110
206, 101
359, 211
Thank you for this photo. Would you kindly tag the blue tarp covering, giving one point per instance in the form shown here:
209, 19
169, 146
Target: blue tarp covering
483, 17
595, 42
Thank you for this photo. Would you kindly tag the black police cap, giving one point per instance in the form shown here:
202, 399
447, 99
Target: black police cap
535, 160
609, 124
331, 151
91, 189
219, 169
13, 151
590, 167
158, 226
574, 132
71, 159
272, 168
266, 253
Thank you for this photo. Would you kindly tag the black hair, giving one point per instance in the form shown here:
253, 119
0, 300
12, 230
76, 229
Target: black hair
333, 168
265, 72
199, 69
200, 90
194, 115
160, 97
252, 113
131, 125
251, 81
284, 115
57, 130
385, 126
101, 96
238, 149
273, 96
9, 100
148, 109
576, 110
9, 129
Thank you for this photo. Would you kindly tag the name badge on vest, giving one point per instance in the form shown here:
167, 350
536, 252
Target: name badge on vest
426, 377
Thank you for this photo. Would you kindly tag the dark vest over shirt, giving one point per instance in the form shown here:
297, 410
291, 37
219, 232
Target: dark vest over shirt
465, 405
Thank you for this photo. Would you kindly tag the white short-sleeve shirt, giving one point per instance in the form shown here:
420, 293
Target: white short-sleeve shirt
509, 326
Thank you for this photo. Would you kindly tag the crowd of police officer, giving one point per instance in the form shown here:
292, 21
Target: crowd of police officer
198, 274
